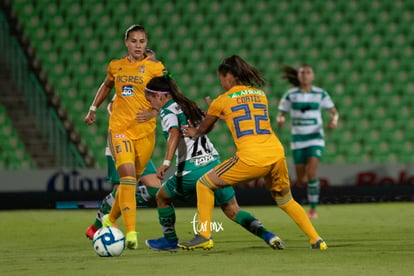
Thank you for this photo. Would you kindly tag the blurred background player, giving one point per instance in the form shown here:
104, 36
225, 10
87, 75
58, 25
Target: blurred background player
305, 102
259, 152
194, 157
131, 142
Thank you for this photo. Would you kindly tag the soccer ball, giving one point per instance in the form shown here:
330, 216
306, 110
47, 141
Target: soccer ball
109, 242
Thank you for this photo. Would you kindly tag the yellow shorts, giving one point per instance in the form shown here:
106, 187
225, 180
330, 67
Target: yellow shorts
233, 171
137, 151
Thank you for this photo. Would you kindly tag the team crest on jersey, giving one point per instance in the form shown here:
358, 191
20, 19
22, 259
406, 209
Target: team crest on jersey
141, 69
127, 91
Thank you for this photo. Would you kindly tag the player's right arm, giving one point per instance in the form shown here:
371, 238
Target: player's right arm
284, 107
100, 96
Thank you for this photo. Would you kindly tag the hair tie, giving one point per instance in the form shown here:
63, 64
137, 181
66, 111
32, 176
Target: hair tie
168, 75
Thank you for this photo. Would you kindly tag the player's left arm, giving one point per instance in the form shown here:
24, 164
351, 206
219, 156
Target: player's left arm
333, 123
215, 111
146, 114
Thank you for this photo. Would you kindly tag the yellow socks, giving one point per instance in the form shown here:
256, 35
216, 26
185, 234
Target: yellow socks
115, 211
298, 214
127, 201
205, 205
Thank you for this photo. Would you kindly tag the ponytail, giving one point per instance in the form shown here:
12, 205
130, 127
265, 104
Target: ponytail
242, 71
167, 85
291, 75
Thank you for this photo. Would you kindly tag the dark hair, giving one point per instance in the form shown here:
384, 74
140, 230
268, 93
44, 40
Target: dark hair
190, 108
135, 28
241, 70
291, 74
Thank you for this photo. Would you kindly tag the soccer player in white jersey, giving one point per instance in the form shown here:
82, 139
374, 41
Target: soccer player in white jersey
305, 102
194, 158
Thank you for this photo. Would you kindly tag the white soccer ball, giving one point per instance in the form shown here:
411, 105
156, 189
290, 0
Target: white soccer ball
109, 242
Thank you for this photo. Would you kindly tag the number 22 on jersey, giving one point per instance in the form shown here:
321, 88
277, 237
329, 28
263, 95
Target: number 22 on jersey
259, 114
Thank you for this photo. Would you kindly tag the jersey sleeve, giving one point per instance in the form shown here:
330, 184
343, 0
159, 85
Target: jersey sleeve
327, 102
110, 73
215, 108
284, 104
157, 68
169, 120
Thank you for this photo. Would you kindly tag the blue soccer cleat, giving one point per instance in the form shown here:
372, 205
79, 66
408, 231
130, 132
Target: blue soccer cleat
274, 241
163, 244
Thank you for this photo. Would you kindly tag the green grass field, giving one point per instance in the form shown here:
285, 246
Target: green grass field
363, 239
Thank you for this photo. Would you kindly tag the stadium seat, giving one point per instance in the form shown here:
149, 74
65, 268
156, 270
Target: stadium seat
361, 52
12, 151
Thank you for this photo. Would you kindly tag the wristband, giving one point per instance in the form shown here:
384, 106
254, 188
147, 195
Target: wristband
280, 119
92, 108
335, 118
166, 163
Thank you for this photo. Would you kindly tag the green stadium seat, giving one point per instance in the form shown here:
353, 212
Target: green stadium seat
361, 52
12, 150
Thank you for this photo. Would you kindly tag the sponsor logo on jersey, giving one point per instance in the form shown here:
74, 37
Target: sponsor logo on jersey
127, 91
305, 108
203, 160
245, 93
304, 122
129, 79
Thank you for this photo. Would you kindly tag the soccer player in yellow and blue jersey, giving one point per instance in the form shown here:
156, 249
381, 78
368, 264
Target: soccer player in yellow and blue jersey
259, 152
194, 158
130, 140
148, 184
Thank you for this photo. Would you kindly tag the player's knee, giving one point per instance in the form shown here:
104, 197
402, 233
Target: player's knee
302, 181
162, 199
281, 195
206, 181
281, 201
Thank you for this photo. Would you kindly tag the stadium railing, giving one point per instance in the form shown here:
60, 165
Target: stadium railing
46, 118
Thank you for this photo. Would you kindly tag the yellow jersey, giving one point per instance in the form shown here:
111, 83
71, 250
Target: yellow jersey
245, 110
130, 80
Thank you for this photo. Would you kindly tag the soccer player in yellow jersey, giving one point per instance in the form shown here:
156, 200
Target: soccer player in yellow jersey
130, 140
259, 152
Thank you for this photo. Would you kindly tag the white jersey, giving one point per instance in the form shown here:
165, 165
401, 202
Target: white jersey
306, 116
191, 153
